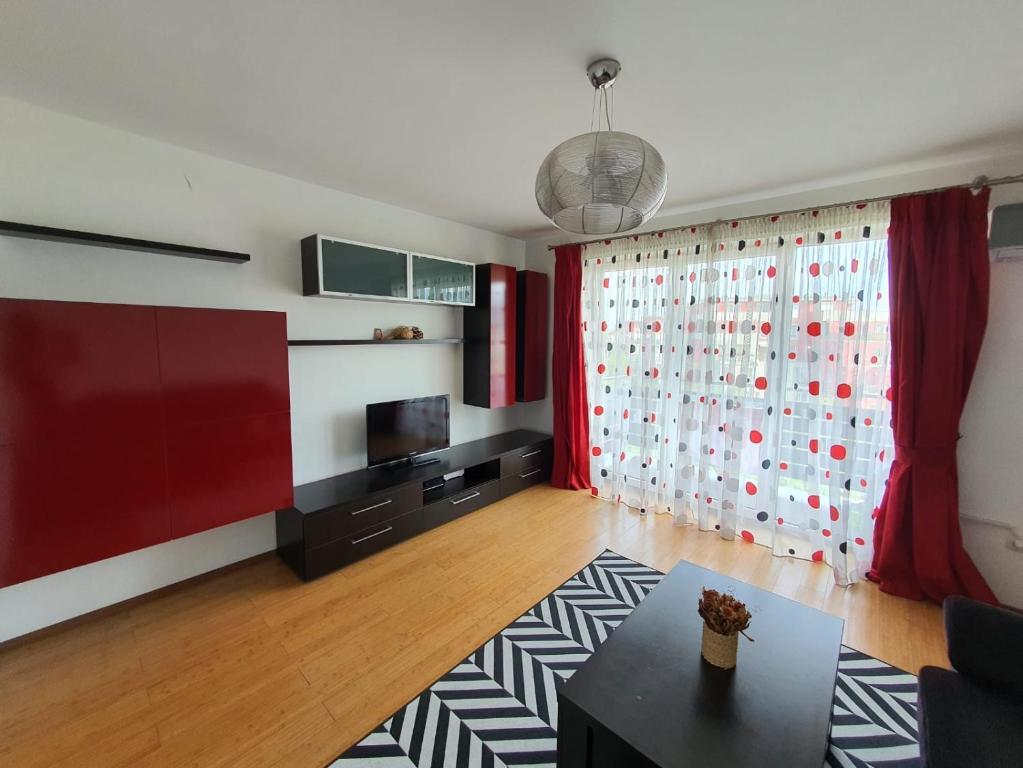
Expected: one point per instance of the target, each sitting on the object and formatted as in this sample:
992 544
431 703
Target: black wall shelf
369 342
52 234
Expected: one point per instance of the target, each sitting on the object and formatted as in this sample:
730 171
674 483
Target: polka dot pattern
738 377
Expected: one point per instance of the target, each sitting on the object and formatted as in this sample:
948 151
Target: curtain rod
977 183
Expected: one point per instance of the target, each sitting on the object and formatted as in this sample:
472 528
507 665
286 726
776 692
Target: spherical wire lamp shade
601 183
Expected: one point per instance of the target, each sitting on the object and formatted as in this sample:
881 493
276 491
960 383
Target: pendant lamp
605 181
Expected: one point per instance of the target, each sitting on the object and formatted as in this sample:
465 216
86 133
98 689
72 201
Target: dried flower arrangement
406 333
724 614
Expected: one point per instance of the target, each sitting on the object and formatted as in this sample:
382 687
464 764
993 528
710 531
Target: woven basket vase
720 650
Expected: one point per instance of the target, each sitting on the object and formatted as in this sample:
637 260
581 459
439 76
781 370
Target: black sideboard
342 519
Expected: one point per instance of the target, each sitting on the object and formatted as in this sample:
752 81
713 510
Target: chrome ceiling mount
603 72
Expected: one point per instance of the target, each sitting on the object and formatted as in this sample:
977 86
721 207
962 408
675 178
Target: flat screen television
402 430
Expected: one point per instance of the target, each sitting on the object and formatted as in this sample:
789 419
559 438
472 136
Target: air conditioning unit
1006 240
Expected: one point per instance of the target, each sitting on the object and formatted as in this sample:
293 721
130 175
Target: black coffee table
647 698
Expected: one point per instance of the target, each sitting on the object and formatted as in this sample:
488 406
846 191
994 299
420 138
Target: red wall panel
124 426
225 385
224 470
82 473
219 363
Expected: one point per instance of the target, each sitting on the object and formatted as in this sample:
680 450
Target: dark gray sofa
974 715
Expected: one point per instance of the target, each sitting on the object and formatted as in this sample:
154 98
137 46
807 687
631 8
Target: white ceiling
449 106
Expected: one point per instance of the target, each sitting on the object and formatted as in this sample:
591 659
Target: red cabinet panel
124 426
488 355
531 337
218 363
225 387
82 473
503 286
225 470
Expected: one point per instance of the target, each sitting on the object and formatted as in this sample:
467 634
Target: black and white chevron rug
499 706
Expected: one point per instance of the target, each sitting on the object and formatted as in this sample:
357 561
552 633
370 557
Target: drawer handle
530 474
372 535
531 453
372 506
466 498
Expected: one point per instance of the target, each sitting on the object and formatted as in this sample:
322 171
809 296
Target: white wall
65 172
991 484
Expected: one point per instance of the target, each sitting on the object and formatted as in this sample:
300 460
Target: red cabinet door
124 426
488 355
225 470
82 462
227 406
531 339
221 363
503 286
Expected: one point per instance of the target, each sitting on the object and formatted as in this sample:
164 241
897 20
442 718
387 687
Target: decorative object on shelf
75 237
417 332
378 334
724 619
604 181
402 332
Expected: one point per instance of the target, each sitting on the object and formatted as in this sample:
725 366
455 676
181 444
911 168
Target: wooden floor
253 668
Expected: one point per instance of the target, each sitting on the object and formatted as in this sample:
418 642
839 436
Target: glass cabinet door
364 270
450 282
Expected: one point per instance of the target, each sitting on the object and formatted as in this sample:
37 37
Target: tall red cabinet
531 337
125 426
488 355
504 359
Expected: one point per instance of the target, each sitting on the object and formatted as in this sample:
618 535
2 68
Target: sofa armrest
985 644
965 725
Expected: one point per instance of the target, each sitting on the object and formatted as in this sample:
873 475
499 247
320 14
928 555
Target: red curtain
939 279
571 411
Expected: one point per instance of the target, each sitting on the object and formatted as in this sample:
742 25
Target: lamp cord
602 102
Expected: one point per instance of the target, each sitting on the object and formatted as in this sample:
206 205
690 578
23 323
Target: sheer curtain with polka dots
738 378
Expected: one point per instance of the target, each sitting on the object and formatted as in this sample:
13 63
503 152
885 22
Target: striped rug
499 706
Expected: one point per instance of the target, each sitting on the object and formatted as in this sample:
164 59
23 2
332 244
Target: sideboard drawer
363 543
336 522
460 504
528 458
522 480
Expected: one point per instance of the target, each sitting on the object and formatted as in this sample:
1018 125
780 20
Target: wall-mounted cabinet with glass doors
346 269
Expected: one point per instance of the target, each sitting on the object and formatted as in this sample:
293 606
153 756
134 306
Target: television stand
343 519
412 461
